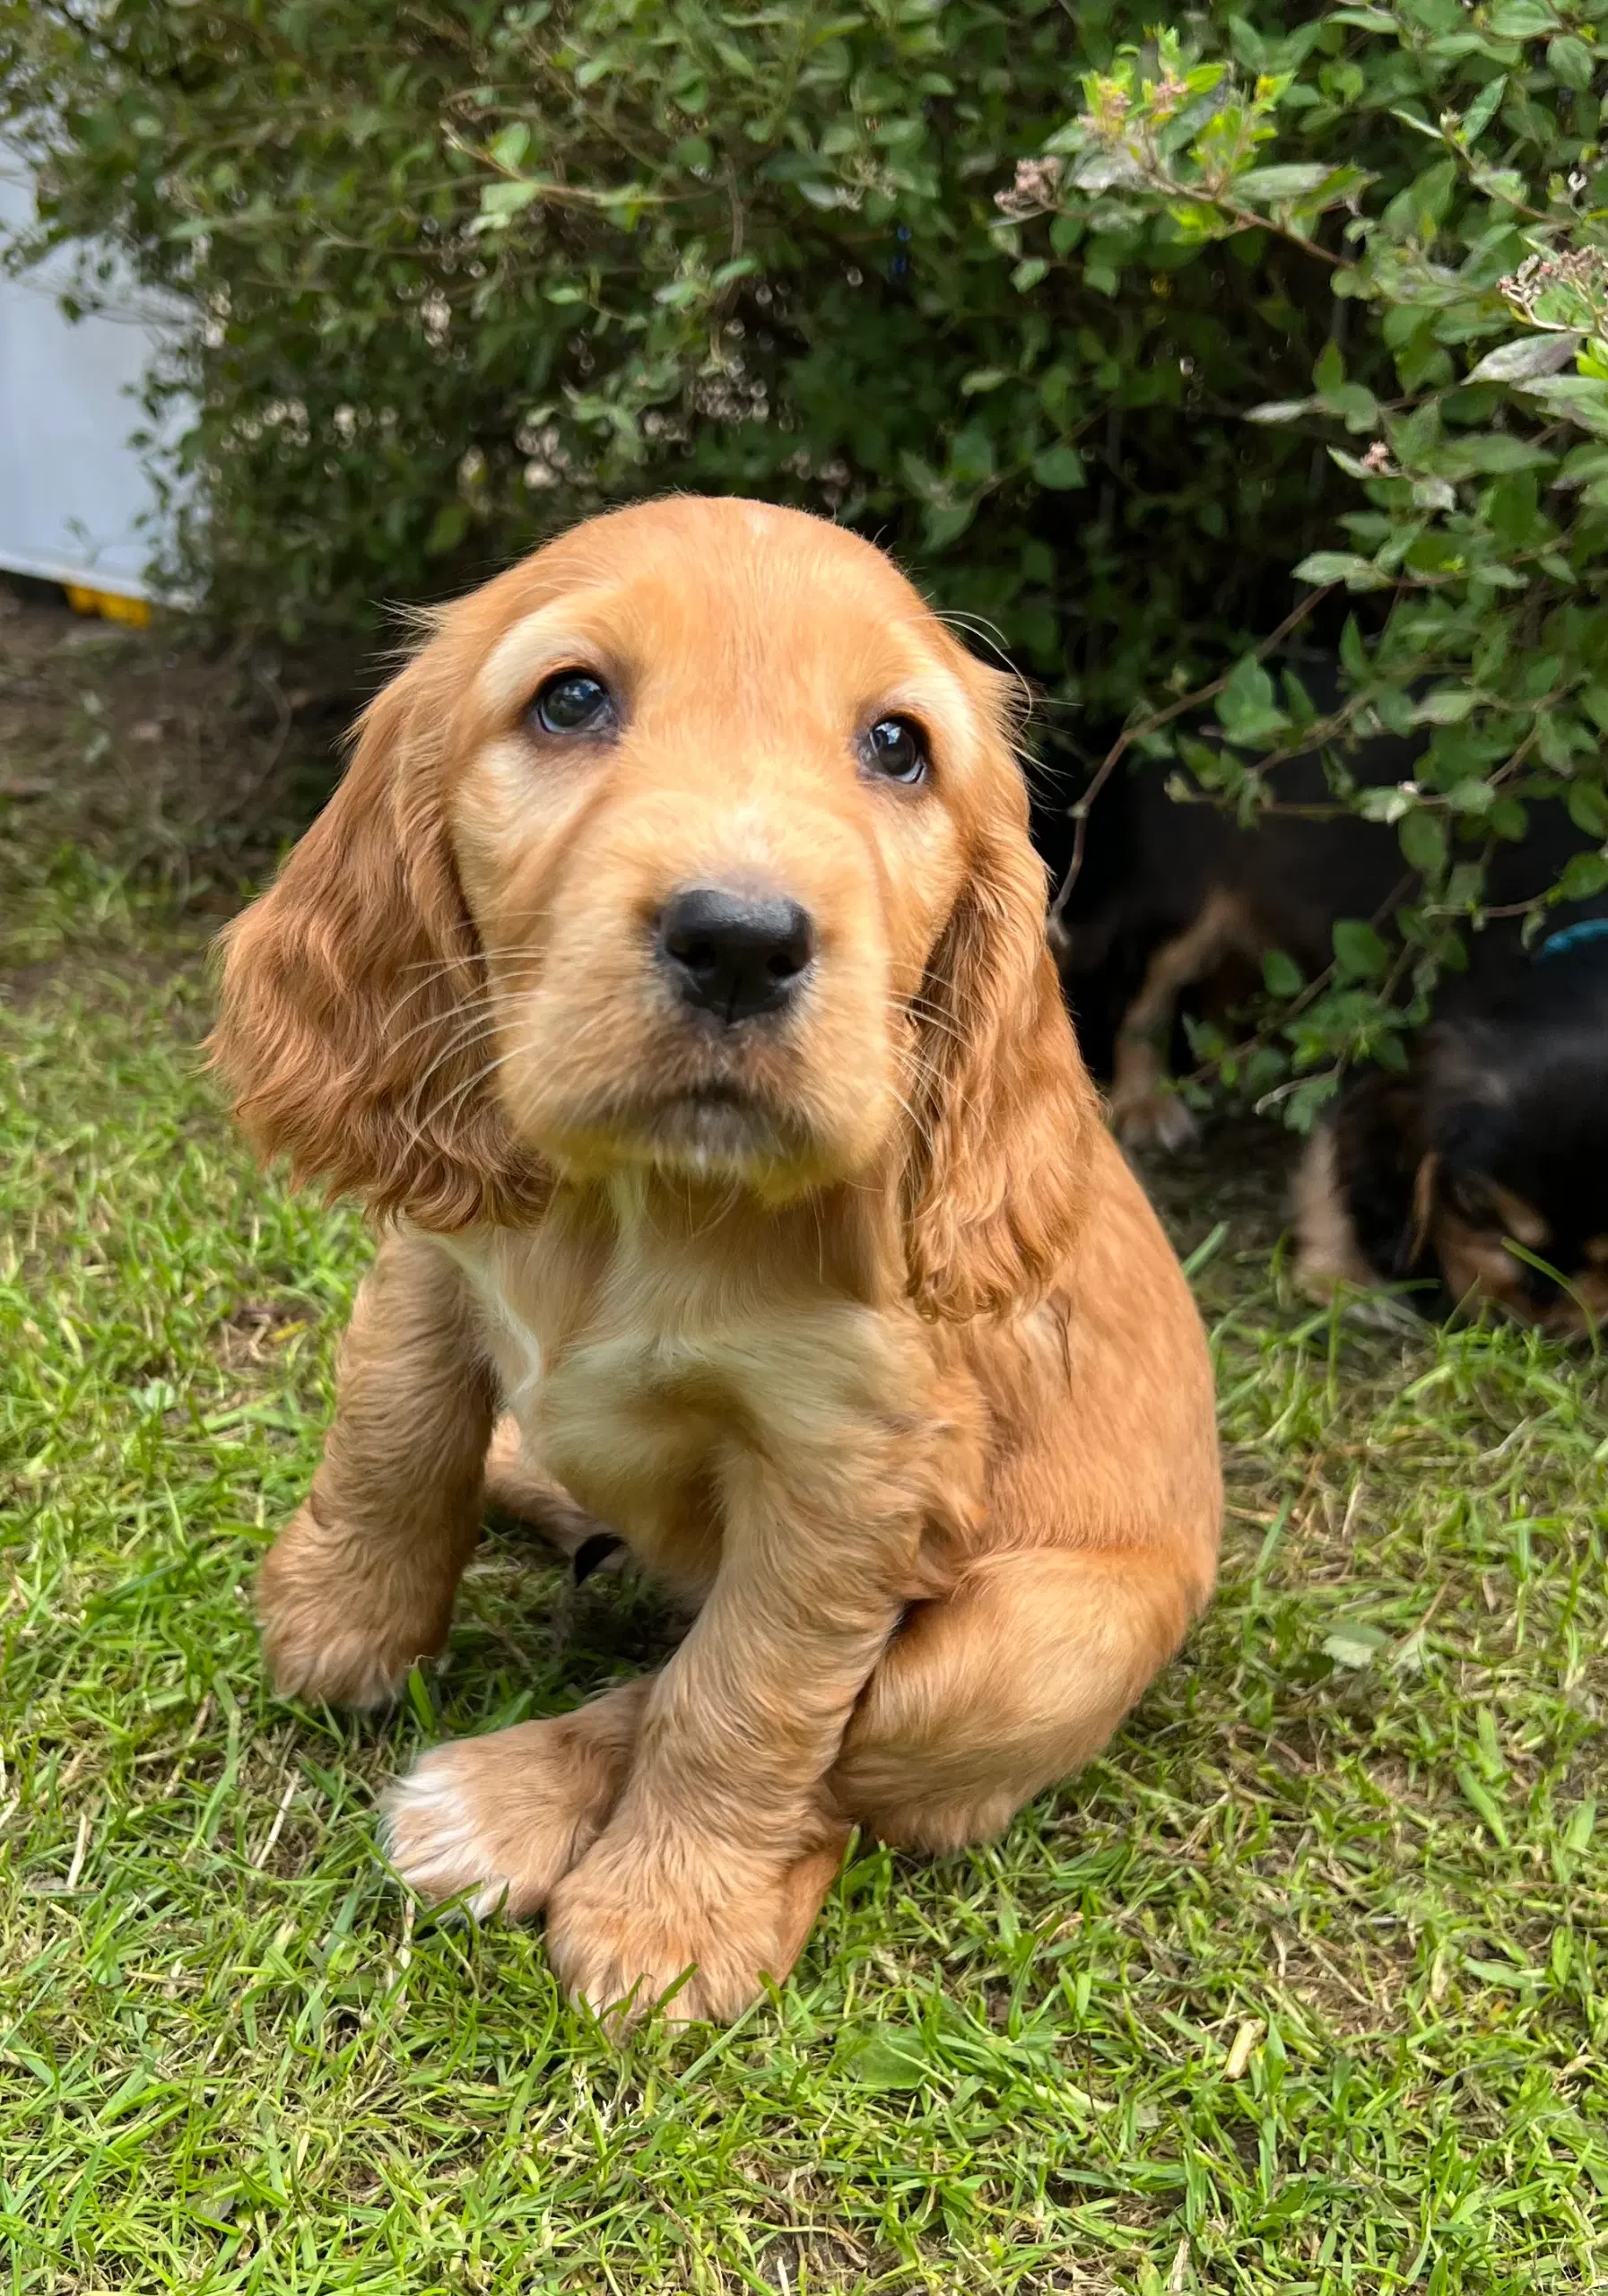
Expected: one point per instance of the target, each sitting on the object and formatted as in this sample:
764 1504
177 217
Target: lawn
1302 1988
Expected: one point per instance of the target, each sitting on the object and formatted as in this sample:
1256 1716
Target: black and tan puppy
1482 1172
1175 906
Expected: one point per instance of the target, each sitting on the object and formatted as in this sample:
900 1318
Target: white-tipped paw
504 1818
432 1838
1158 1120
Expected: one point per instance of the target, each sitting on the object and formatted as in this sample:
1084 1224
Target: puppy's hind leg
1011 1683
1145 1109
517 1484
360 1581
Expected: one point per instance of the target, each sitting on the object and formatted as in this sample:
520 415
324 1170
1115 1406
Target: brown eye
896 750
573 702
1471 1198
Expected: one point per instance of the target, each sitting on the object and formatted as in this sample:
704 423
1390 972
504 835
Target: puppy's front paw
1156 1121
624 1929
338 1634
507 1815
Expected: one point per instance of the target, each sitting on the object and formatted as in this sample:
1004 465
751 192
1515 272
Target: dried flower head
1034 188
1565 289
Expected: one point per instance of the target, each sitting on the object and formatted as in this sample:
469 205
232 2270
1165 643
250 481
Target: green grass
1302 1988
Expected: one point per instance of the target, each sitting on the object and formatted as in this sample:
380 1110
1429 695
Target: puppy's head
1511 1196
693 843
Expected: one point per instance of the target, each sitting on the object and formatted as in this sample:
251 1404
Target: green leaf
971 455
1482 1802
1488 453
1028 273
1521 19
1248 708
1471 795
1571 61
1279 410
509 149
1386 804
1324 566
1263 186
501 201
945 522
1582 399
420 1699
1484 109
450 525
1447 705
1359 952
1355 1645
1422 835
887 2057
1281 974
1355 404
1583 877
1588 808
1524 358
1434 494
1059 468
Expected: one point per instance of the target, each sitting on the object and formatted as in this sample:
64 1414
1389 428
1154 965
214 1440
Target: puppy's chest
639 1384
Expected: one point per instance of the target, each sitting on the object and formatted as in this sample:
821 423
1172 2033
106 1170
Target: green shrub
1130 344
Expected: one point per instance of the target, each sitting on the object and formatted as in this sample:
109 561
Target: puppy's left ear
1004 1111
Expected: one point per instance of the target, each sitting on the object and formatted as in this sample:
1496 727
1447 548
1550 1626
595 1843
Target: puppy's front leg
360 1581
723 1843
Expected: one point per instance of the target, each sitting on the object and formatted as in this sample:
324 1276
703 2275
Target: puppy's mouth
719 1119
715 1128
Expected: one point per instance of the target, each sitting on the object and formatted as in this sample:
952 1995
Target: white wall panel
73 491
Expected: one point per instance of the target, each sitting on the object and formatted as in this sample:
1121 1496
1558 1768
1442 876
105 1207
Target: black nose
736 954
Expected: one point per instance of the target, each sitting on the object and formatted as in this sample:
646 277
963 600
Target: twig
1152 724
78 1848
266 1851
196 1726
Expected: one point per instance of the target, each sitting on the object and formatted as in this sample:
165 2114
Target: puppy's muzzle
735 953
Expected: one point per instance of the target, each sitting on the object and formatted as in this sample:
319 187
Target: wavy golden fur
844 1315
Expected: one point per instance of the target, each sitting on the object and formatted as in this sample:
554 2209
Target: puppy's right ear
352 1025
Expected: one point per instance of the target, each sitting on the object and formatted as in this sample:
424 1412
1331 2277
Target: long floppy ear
994 1190
351 1025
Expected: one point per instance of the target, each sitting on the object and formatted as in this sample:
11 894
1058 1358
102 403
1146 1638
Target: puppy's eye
1471 1198
573 702
896 750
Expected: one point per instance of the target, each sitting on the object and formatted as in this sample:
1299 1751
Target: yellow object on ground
110 605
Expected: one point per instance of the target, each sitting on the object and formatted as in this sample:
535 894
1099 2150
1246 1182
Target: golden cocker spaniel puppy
668 977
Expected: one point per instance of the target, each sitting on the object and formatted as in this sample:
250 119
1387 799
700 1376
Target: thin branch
1079 814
